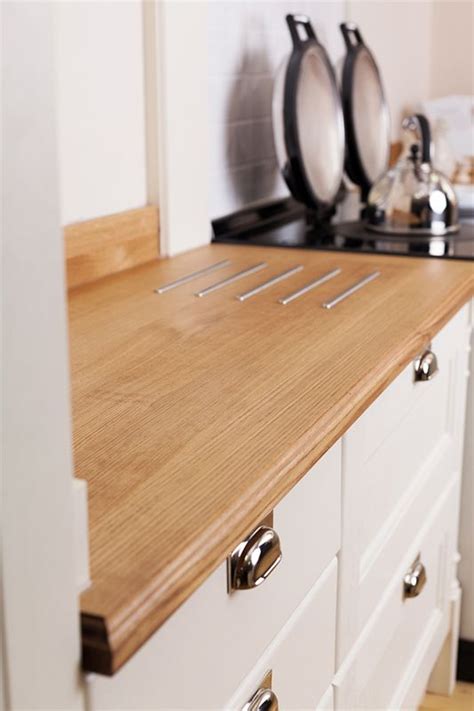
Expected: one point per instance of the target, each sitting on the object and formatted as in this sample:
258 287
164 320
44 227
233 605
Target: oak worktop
194 416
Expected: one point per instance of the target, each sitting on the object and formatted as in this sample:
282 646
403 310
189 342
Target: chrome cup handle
415 579
262 700
426 366
253 560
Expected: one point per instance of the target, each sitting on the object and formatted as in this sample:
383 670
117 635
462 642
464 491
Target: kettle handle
425 132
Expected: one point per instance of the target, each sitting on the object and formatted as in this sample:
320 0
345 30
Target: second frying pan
366 115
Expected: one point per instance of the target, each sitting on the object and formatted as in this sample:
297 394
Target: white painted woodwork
380 667
443 675
466 532
401 529
229 633
302 656
100 108
326 703
81 534
40 612
414 682
182 59
396 458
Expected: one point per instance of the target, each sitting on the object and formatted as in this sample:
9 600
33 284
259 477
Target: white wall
100 107
40 615
452 68
247 41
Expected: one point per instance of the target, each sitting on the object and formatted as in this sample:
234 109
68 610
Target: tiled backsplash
247 42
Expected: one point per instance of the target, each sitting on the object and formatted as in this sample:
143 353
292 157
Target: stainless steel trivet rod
274 280
193 275
312 285
351 290
231 279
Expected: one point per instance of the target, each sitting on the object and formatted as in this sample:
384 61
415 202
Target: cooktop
286 223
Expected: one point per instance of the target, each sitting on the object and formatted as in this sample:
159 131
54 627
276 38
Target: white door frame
41 641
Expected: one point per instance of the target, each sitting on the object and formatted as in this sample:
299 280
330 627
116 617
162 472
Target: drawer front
301 658
387 552
389 410
214 640
388 649
396 459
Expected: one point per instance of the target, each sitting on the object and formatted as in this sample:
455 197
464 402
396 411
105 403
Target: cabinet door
387 663
301 658
396 460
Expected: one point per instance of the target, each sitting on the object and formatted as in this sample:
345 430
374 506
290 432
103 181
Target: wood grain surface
194 417
461 700
106 245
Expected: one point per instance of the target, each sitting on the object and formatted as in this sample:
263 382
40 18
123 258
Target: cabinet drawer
386 553
301 658
393 406
214 640
387 648
396 459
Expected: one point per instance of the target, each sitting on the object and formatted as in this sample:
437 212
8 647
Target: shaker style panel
396 460
378 563
203 652
392 406
411 611
301 658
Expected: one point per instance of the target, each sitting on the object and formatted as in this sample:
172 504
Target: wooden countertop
194 417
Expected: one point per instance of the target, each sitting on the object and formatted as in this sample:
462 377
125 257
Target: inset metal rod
193 275
270 282
312 285
351 290
231 279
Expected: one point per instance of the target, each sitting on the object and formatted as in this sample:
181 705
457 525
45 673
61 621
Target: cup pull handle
262 700
414 580
253 560
426 366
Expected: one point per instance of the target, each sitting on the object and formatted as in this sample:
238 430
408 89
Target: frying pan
366 115
308 124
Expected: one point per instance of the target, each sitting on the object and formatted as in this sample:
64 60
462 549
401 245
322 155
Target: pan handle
303 21
351 34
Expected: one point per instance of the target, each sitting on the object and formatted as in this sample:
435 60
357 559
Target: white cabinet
216 639
378 673
332 623
302 656
396 460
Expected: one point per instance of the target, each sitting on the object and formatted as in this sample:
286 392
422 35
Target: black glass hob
286 223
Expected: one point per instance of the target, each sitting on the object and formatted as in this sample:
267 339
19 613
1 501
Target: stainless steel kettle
412 197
